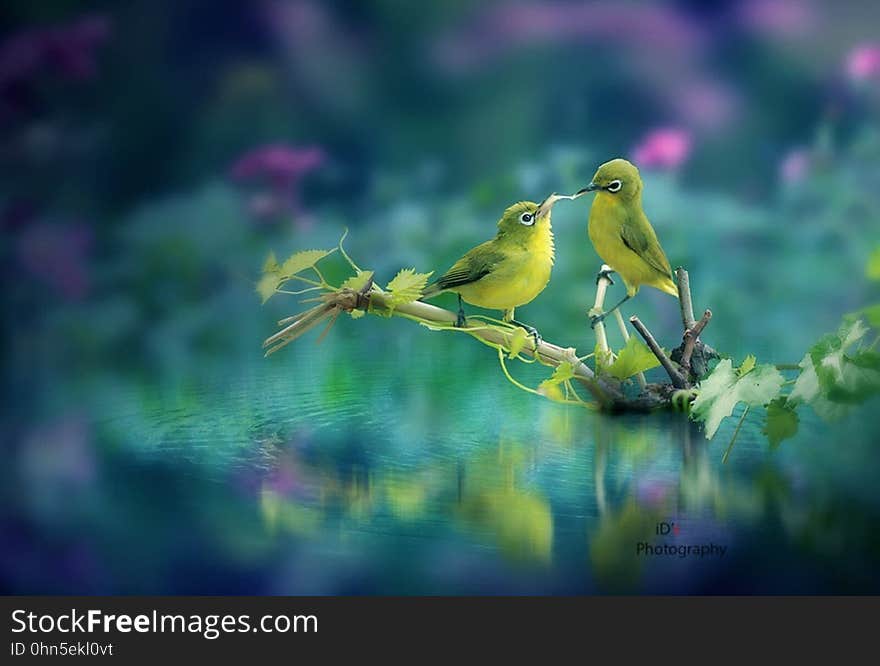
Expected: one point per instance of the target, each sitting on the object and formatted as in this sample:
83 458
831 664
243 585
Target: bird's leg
461 320
531 330
595 319
605 273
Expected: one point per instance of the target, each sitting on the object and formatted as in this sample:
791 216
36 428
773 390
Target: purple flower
663 148
863 62
784 18
57 256
795 166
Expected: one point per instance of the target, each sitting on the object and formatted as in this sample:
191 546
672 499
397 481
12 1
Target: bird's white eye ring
527 219
614 186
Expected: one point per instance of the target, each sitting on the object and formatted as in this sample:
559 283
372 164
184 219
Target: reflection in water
359 484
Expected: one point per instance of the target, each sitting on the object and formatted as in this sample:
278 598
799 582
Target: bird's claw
596 319
532 331
605 274
460 320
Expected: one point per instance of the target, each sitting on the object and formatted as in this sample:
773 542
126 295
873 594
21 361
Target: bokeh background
153 153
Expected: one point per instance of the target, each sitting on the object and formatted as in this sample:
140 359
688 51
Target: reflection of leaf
358 282
520 521
517 341
406 286
782 422
635 357
300 261
267 285
721 391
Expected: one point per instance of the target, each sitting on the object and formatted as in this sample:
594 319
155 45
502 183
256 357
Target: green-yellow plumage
620 230
511 269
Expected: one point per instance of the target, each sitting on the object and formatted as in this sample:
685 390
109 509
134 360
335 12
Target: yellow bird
621 233
508 271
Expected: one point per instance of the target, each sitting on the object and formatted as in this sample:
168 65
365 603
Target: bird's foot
532 331
605 273
461 320
596 317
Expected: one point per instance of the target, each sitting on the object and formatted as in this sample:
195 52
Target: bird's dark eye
614 186
527 219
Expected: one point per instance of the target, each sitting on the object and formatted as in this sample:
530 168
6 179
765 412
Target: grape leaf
747 365
517 341
844 374
806 390
721 391
782 421
407 286
267 285
635 357
300 261
550 387
271 264
359 281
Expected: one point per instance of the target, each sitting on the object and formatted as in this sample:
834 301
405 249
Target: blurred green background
153 153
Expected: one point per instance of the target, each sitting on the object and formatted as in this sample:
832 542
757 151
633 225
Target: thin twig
677 380
684 298
691 335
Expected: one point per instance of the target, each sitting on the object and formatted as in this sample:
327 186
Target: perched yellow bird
621 233
508 271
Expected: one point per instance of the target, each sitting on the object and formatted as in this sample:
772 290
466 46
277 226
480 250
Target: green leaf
807 390
517 341
271 264
406 287
300 261
550 386
359 281
872 270
635 357
845 374
747 366
722 390
267 285
782 421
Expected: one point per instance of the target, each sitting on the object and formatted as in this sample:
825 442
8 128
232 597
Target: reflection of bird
508 271
621 233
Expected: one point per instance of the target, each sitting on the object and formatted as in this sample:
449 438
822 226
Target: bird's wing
639 236
476 264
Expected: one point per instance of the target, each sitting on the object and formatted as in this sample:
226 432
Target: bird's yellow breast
605 231
519 277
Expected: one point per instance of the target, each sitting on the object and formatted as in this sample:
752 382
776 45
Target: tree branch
684 298
691 335
677 380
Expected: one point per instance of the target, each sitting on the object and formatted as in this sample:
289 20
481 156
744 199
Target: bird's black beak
589 188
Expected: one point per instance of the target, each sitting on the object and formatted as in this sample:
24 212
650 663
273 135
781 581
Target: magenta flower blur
664 148
863 62
57 256
782 18
795 166
277 169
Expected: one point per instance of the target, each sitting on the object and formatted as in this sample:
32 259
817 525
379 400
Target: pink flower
663 148
794 166
863 62
281 167
278 163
